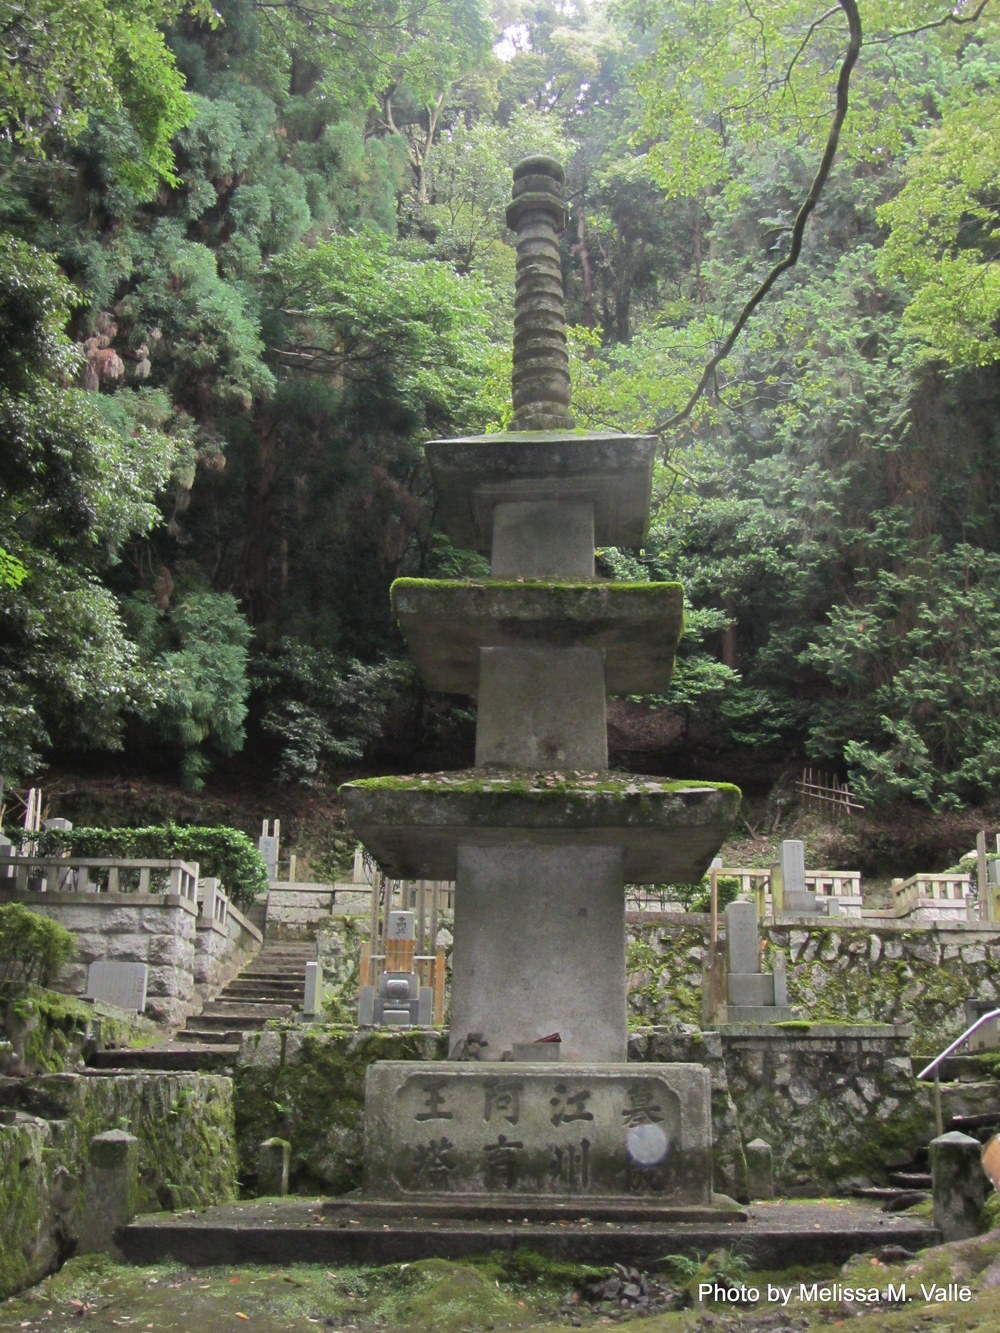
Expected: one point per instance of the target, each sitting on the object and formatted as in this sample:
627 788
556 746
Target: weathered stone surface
611 472
540 379
543 539
541 708
560 969
760 1172
593 1133
272 1166
635 625
669 831
959 1185
112 1189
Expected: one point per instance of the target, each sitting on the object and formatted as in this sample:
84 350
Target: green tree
75 487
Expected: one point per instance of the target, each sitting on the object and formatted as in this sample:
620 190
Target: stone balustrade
99 874
185 930
946 897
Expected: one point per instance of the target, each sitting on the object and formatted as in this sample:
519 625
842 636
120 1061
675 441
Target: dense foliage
254 257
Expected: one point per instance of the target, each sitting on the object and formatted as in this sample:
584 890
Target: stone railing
842 885
946 897
188 934
92 874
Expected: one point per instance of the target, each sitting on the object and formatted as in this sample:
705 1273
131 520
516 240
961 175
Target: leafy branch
854 43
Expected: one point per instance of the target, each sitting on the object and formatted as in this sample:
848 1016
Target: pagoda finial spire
541 362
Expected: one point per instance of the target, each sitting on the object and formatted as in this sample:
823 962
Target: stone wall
295 911
222 949
185 1127
307 1085
839 971
187 955
839 1105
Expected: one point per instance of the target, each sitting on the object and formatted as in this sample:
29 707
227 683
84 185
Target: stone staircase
272 986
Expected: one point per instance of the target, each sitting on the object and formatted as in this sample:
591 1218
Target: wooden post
373 929
421 932
985 896
714 908
439 967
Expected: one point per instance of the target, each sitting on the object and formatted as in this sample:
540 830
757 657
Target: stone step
263 1008
910 1180
181 1054
273 973
261 996
272 985
243 1022
290 1231
213 1036
958 1069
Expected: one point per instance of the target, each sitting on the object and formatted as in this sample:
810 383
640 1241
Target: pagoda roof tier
668 830
446 623
475 473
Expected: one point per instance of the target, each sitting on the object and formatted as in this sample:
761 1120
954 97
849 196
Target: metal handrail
936 1062
959 1041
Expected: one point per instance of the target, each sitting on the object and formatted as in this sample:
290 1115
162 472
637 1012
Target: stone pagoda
536 1102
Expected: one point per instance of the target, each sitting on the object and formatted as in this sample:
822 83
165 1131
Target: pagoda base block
588 1140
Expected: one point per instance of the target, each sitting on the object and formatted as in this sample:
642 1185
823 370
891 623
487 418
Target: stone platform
290 1231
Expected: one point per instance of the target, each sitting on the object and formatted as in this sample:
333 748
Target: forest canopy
253 257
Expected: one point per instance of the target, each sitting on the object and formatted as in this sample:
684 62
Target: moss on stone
544 784
308 1086
615 589
51 1032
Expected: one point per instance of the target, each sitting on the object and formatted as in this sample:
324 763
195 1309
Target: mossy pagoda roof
668 830
636 625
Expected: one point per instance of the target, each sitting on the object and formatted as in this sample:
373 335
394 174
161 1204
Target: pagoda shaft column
540 950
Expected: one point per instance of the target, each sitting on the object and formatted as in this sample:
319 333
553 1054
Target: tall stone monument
540 837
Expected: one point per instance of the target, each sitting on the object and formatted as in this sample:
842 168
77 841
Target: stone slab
742 938
446 624
413 826
560 970
543 539
613 472
286 1231
123 984
542 708
750 988
538 1132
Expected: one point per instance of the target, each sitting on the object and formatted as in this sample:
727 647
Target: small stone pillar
760 1169
312 1005
111 1192
959 1185
272 1166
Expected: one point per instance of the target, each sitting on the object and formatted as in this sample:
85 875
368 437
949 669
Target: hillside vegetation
253 256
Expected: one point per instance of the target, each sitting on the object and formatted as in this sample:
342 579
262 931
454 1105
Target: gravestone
752 996
123 984
540 837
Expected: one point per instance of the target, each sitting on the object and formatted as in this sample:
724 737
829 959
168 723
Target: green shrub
226 853
32 948
698 897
